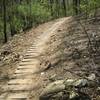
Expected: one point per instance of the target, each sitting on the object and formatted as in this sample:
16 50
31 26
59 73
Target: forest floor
66 55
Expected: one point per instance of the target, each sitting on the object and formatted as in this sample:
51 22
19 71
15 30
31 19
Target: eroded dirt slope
69 55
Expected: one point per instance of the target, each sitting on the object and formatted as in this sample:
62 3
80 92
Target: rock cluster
7 56
64 90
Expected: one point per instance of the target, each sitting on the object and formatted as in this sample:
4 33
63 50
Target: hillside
66 54
70 56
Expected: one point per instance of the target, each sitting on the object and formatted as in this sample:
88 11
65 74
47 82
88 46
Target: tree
76 6
51 7
5 21
64 6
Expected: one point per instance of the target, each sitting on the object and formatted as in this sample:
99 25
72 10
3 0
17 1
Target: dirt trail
24 79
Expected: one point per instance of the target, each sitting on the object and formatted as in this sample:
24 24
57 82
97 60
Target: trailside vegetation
19 15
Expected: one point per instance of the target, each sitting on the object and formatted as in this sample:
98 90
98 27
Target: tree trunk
64 5
76 6
5 22
51 7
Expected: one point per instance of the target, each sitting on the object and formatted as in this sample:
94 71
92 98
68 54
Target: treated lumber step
20 81
19 87
18 96
25 71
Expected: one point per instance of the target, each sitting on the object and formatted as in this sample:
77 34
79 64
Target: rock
6 51
98 89
55 62
91 77
76 54
73 95
52 88
60 96
15 57
69 82
98 97
53 78
76 83
7 59
46 65
80 83
42 73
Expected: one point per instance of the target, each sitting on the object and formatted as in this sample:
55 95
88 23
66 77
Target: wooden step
20 81
33 47
22 76
17 96
29 60
25 71
31 53
31 57
19 87
32 50
26 67
28 63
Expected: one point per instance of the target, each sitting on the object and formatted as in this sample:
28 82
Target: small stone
76 54
5 52
42 73
80 83
73 95
92 77
98 97
69 82
98 89
58 95
52 78
84 56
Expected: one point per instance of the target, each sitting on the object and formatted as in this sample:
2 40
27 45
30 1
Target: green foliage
40 13
22 14
17 23
90 7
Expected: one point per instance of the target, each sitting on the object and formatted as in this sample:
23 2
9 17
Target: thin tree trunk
64 5
51 7
5 22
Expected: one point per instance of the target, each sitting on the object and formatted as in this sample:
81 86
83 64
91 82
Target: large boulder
69 82
52 88
80 83
64 90
76 82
